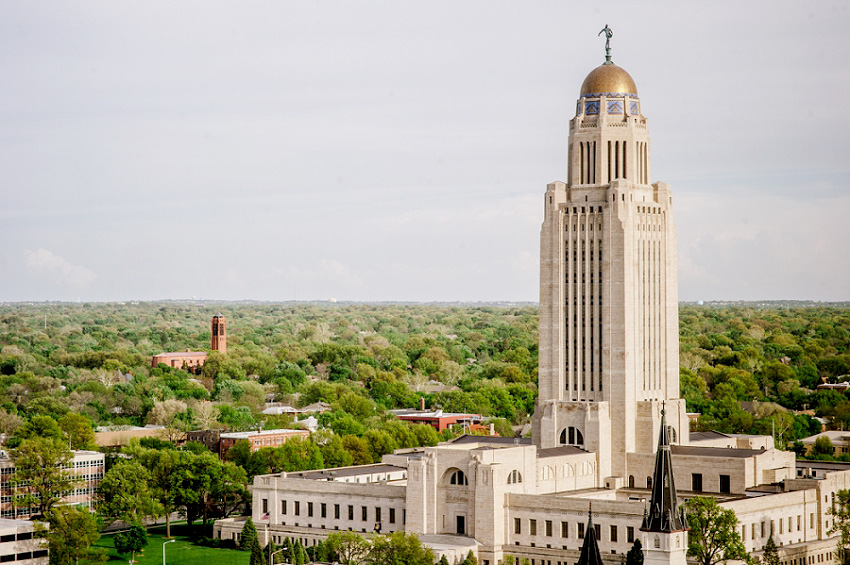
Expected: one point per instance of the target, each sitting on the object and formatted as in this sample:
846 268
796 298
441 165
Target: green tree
635 554
470 559
399 548
714 536
168 478
125 494
78 429
349 548
71 535
134 539
39 461
770 556
39 426
822 447
249 535
443 560
840 511
258 556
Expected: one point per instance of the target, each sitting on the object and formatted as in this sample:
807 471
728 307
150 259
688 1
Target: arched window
671 433
547 473
649 482
657 542
631 481
571 436
514 477
458 477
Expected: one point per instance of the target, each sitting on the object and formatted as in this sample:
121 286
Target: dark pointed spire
664 513
590 549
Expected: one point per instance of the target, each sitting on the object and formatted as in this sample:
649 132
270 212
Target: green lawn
180 552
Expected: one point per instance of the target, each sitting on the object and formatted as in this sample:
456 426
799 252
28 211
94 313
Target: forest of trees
67 368
362 359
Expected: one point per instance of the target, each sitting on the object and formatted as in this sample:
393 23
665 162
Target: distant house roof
317 407
429 414
255 433
835 436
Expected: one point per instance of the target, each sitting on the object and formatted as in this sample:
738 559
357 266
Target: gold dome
608 78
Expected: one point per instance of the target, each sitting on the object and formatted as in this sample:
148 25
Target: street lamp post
271 555
163 549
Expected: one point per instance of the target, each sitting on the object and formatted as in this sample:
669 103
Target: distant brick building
210 438
259 439
218 334
437 418
188 360
193 361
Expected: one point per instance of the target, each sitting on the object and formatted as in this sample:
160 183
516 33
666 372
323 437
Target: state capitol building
609 429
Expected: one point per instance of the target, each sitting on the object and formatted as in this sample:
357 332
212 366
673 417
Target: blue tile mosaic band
615 106
591 108
634 108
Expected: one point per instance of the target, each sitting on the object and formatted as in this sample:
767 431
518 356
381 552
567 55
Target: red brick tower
218 339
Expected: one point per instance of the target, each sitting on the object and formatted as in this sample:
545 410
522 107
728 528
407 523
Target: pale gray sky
400 150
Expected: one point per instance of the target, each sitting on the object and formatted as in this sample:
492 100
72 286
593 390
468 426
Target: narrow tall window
616 159
581 156
625 175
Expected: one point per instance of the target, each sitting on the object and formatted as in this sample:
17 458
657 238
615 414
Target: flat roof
180 353
714 451
432 414
825 465
559 451
347 471
10 523
253 433
466 438
702 436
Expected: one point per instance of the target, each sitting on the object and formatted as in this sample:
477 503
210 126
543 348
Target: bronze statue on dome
608 35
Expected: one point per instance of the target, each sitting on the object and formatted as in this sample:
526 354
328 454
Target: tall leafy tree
714 536
78 430
168 478
71 535
39 462
125 494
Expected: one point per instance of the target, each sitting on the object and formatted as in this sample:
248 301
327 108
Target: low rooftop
327 474
254 433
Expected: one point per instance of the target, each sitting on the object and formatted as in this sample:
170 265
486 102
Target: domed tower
608 288
218 335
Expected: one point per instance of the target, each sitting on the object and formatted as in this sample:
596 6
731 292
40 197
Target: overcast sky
400 150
